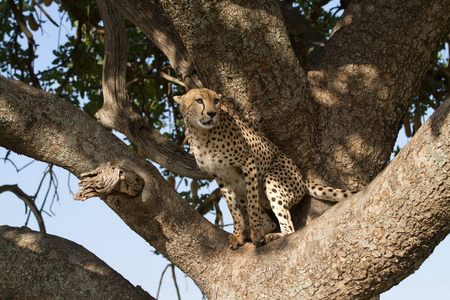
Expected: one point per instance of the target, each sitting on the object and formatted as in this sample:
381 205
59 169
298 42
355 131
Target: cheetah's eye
199 101
216 101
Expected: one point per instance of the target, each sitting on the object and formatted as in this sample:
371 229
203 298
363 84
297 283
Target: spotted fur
251 171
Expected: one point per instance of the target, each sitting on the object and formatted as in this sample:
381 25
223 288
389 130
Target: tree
336 112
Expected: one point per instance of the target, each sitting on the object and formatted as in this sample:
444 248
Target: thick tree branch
28 200
153 22
371 66
68 135
117 112
39 266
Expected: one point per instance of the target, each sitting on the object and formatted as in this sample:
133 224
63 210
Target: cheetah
252 173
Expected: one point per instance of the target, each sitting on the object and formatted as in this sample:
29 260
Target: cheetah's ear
177 99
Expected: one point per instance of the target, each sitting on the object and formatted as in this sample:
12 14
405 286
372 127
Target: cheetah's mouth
207 123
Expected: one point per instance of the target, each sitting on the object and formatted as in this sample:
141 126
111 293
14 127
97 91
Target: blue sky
93 225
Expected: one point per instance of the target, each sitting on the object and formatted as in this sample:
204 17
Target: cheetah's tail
327 193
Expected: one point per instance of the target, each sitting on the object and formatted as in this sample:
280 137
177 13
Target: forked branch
155 24
117 112
109 180
385 232
28 200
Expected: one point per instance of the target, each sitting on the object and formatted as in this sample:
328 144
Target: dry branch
28 200
153 21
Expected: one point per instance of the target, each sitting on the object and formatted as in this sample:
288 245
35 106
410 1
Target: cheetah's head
200 108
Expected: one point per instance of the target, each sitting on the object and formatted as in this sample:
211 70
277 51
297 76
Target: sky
96 227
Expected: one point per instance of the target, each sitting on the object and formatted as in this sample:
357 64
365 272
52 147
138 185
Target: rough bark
40 266
364 80
356 250
153 22
241 49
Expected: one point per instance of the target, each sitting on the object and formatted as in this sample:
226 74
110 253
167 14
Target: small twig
5 159
26 165
160 280
45 13
68 184
54 182
41 183
28 200
172 79
206 205
219 216
19 18
175 281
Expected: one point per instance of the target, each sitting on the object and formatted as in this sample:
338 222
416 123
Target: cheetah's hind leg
281 196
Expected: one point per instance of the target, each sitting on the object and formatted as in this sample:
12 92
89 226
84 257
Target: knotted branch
109 180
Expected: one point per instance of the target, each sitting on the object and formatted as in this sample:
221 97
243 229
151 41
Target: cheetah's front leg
239 230
254 209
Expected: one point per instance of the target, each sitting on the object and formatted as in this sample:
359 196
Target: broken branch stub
109 180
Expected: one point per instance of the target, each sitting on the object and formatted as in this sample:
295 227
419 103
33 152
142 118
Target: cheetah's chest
214 154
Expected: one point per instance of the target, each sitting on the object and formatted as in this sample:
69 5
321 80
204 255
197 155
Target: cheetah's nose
212 114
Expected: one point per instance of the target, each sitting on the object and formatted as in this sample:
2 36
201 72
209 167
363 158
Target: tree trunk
362 81
365 78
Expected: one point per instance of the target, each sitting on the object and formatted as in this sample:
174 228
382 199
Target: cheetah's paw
235 240
272 236
257 237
